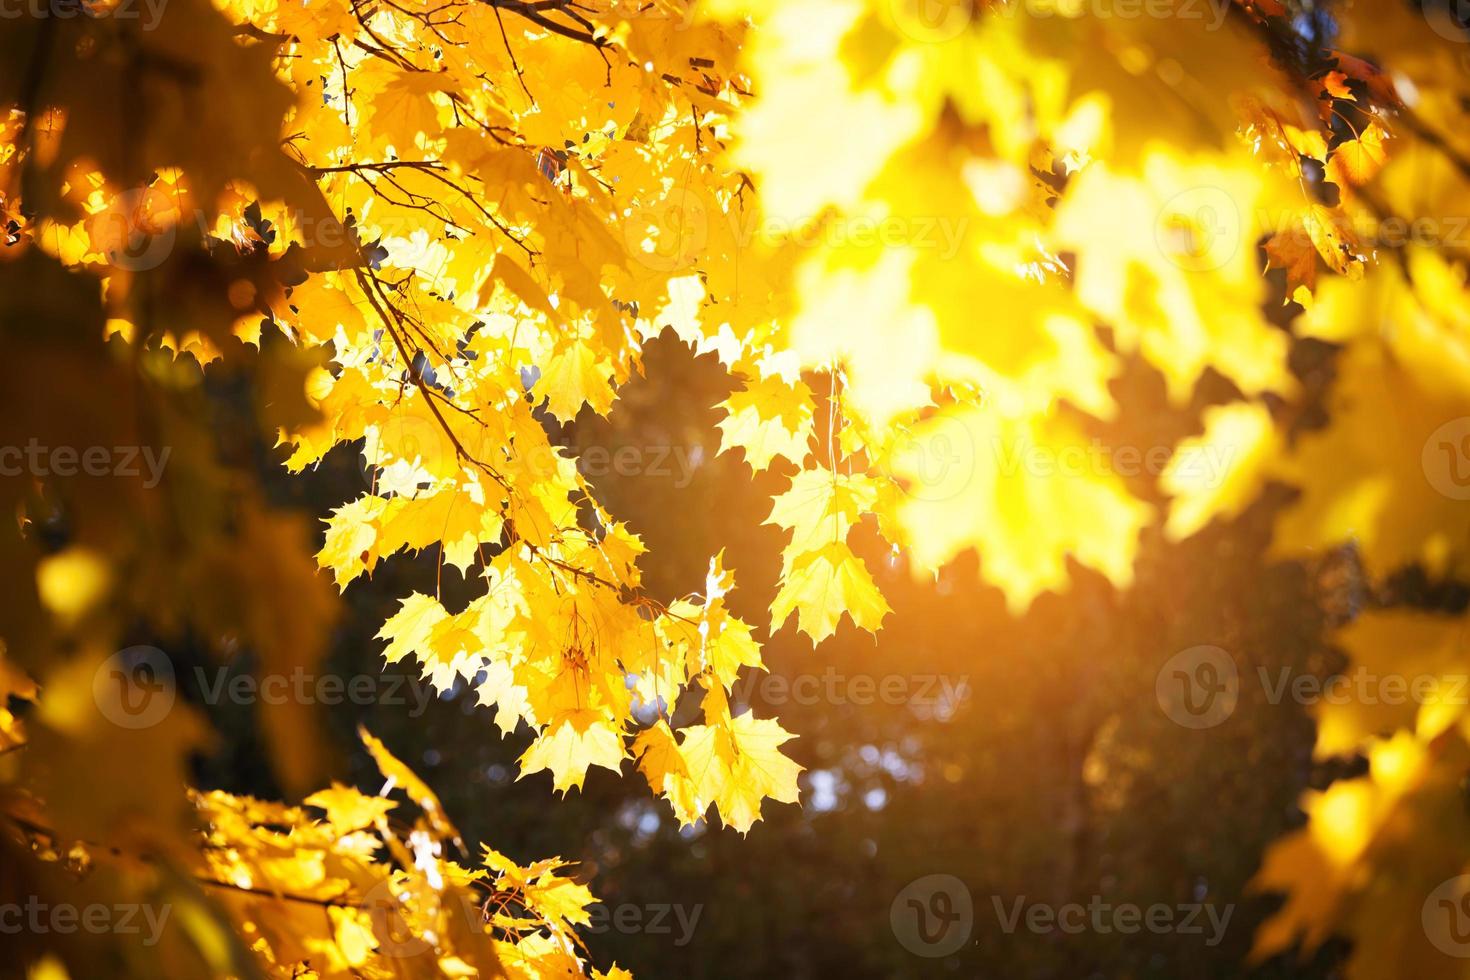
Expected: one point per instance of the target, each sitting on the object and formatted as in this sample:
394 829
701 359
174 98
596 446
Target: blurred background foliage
1053 776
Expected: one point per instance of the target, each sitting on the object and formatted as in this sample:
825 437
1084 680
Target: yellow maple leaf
572 744
1220 472
767 418
822 585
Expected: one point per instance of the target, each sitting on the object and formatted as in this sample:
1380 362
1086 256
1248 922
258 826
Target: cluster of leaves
514 178
338 888
467 217
1127 173
170 203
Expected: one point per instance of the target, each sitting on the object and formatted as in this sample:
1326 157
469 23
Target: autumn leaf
936 261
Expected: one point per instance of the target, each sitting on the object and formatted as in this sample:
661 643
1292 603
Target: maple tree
923 245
